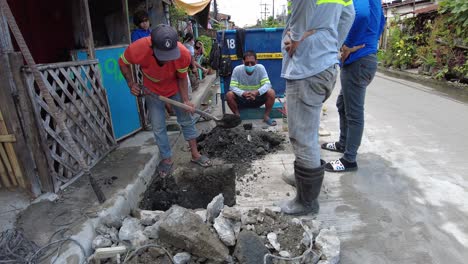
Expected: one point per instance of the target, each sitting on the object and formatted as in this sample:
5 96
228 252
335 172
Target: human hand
205 70
291 46
192 106
346 51
134 88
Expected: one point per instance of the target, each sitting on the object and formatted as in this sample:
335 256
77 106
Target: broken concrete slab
185 230
250 248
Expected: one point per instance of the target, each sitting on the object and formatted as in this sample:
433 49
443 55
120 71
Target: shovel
228 120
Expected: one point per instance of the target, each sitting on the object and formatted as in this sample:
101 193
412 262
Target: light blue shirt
331 20
242 82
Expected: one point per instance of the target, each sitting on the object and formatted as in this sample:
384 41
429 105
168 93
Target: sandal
333 146
340 165
164 169
270 122
203 161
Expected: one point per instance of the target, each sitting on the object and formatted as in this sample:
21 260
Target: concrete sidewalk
123 176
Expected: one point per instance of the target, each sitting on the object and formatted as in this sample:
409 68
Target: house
54 132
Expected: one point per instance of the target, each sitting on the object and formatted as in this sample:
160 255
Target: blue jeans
355 78
158 122
304 101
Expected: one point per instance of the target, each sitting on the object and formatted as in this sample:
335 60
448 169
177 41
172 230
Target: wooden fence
78 91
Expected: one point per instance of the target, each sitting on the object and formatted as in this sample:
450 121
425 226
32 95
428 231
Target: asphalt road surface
408 202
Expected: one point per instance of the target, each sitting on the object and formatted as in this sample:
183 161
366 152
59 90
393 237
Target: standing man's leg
355 79
187 123
339 146
359 76
305 99
157 114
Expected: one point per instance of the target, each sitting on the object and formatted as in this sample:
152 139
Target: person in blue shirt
359 65
141 21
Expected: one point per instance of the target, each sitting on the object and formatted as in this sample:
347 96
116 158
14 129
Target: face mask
249 69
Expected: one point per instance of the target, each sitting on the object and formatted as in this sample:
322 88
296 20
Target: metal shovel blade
228 121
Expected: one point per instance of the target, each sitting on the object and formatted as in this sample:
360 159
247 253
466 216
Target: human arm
127 73
264 80
125 61
234 84
197 65
296 25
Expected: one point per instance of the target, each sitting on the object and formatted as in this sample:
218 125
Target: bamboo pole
7 165
10 151
4 176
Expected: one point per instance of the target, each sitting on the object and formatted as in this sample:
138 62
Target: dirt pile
238 145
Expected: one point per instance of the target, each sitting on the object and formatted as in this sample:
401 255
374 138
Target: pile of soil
238 145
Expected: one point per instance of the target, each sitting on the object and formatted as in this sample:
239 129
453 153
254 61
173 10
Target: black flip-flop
339 166
333 146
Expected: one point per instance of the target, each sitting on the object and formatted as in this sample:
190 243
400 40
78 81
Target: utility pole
265 12
273 12
215 10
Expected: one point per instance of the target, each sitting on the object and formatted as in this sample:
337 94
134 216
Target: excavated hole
194 188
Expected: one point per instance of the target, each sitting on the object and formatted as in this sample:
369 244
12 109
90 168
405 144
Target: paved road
408 202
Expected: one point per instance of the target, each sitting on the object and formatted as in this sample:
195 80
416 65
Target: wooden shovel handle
186 107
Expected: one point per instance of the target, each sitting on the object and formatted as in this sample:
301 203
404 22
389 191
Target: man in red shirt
164 62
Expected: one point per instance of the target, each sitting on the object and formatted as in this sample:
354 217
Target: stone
152 231
139 239
202 214
184 229
273 239
269 212
225 230
232 213
328 243
156 252
250 249
284 254
130 227
312 257
214 208
112 221
101 242
182 258
148 218
248 220
314 225
107 232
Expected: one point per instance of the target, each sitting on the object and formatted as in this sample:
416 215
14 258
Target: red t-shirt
161 80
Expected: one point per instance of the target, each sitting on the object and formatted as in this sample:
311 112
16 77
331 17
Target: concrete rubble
220 234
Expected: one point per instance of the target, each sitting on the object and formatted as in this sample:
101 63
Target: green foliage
458 10
176 15
206 40
272 23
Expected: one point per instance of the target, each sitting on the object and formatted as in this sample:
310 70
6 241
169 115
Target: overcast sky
246 12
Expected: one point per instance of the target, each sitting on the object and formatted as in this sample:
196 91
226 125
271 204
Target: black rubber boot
308 185
289 178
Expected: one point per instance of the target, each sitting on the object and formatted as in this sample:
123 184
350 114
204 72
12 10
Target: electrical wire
265 257
14 247
129 257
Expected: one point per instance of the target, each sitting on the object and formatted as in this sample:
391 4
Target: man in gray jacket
314 33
